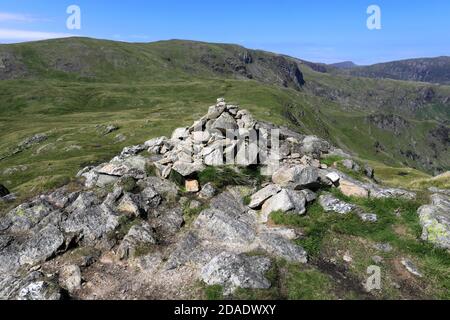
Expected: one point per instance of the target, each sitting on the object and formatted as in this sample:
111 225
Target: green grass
213 292
329 161
322 230
308 285
314 225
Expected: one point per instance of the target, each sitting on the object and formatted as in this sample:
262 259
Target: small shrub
177 178
150 170
221 177
329 161
247 199
214 292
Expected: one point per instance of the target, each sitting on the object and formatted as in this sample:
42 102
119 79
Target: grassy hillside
71 89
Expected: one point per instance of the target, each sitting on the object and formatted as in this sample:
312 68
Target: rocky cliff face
168 213
434 70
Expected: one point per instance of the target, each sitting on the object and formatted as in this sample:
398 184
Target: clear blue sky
323 31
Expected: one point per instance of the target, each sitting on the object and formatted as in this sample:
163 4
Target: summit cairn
224 136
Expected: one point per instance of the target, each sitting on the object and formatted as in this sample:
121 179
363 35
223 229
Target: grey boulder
234 271
297 177
330 203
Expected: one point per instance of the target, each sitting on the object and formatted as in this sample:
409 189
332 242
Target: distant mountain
115 61
344 65
433 70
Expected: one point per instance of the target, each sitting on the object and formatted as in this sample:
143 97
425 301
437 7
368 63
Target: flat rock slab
234 271
331 204
222 227
262 195
282 247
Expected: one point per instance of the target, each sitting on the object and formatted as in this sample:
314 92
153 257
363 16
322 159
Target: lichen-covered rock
32 286
380 193
88 218
333 177
180 134
139 235
215 111
154 145
282 247
435 220
314 146
330 203
169 220
309 195
41 245
411 267
234 271
190 249
150 199
132 150
163 187
368 217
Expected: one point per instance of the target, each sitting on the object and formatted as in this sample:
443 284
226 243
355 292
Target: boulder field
148 221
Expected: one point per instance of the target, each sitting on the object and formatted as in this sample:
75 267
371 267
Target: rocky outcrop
130 210
32 286
435 220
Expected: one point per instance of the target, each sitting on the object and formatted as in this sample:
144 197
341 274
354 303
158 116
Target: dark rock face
256 65
389 122
10 66
289 70
440 134
3 191
434 70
